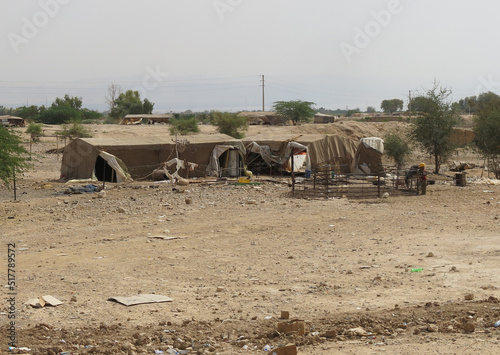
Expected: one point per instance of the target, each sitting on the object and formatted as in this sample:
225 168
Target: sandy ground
240 255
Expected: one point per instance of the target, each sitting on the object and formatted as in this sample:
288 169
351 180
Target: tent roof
147 115
167 140
271 137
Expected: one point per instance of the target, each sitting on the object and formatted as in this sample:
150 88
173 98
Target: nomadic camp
115 160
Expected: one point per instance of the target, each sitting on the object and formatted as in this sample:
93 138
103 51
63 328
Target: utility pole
263 106
409 102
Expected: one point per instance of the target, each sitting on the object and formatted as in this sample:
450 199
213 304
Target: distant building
322 118
152 118
10 121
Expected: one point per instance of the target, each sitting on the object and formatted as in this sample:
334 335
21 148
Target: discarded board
43 301
298 326
140 299
289 349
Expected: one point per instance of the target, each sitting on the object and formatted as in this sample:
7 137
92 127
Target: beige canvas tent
83 158
322 149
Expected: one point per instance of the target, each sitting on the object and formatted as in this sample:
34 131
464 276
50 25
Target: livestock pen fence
331 182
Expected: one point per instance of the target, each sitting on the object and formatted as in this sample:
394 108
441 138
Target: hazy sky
210 54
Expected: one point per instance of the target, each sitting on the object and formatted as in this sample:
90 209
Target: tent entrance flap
103 171
230 163
109 168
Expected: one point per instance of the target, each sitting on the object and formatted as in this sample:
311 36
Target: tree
13 159
487 102
370 109
114 90
468 104
73 102
130 103
397 147
433 129
29 113
420 104
230 123
391 106
184 124
59 115
487 129
296 111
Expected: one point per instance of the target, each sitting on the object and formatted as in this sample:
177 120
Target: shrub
230 123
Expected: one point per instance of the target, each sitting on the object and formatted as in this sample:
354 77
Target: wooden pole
104 175
15 189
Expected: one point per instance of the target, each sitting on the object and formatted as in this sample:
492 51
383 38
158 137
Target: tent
9 121
322 149
140 156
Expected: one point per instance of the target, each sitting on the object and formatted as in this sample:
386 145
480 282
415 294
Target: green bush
35 129
230 123
397 148
184 125
74 130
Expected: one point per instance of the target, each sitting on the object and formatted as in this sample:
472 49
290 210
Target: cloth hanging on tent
117 165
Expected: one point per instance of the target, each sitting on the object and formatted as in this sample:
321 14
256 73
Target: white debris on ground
482 180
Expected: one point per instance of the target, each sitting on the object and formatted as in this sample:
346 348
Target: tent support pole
293 176
104 175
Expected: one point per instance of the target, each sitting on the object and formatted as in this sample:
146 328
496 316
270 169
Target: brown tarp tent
82 160
322 149
368 160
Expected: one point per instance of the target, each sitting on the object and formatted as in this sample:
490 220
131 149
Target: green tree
296 111
130 103
419 104
468 104
397 147
433 129
391 106
370 109
13 156
230 123
74 102
59 115
487 102
184 124
29 113
487 136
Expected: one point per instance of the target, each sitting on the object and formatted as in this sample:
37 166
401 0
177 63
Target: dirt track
246 253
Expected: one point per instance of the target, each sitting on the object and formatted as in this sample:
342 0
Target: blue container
307 174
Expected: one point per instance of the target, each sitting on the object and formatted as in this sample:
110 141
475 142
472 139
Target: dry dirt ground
243 255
